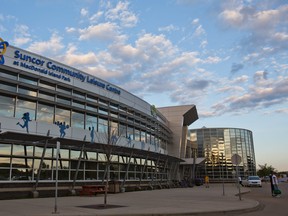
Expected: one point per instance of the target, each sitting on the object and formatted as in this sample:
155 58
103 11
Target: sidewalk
176 201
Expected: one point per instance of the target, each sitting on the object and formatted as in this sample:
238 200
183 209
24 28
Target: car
253 181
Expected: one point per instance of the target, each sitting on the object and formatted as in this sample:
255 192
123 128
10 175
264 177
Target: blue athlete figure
92 133
26 119
129 140
62 127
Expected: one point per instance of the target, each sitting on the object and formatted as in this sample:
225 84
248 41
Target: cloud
264 27
103 31
52 46
121 13
259 96
72 57
96 17
22 35
236 67
84 12
168 28
260 76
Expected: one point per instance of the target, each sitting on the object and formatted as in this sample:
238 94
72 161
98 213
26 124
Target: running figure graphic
26 119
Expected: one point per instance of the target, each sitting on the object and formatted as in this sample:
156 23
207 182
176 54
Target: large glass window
122 130
103 125
5 149
137 135
7 106
114 128
45 113
91 121
27 108
62 115
77 119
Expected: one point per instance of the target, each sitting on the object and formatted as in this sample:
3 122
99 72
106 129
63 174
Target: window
103 102
114 128
25 106
7 106
103 111
46 96
47 85
8 87
62 115
91 121
79 94
64 90
45 113
27 79
8 74
91 108
103 125
77 119
63 100
27 91
5 149
78 104
114 106
92 98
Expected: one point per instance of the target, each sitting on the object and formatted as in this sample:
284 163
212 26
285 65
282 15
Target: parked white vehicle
252 181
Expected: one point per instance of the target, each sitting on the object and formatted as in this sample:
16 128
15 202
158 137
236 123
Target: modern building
225 152
61 124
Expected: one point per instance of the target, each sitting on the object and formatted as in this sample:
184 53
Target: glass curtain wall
218 145
21 163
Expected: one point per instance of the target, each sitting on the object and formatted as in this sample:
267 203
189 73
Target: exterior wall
151 133
175 118
56 95
218 145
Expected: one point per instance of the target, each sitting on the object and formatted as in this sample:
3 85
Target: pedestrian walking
240 181
206 179
274 185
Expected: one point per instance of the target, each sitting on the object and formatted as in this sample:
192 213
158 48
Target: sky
227 57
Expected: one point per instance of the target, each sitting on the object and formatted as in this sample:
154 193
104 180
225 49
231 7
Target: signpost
236 160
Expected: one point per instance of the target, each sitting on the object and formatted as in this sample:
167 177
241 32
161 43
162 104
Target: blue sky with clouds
228 57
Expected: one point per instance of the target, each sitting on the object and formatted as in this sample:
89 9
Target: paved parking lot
176 201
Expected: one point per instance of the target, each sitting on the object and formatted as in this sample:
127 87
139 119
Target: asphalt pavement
197 200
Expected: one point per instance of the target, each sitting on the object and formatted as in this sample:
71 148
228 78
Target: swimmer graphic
91 129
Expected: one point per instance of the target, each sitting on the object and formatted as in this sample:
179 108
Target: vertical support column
35 193
77 169
128 165
144 167
56 179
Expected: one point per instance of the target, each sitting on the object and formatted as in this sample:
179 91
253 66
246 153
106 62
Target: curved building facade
216 146
103 131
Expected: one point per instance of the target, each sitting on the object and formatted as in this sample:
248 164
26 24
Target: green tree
265 170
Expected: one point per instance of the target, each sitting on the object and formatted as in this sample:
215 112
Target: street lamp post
56 178
222 171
